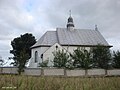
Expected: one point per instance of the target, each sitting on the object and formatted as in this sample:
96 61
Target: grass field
16 82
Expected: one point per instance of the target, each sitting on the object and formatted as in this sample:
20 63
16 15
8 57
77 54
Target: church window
36 56
41 56
56 47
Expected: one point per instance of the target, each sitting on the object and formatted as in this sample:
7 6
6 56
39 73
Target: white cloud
15 16
37 16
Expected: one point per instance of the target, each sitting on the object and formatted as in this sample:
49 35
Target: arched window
36 56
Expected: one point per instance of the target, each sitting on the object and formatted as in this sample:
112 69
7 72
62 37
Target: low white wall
96 72
113 72
9 70
53 71
32 71
58 72
75 72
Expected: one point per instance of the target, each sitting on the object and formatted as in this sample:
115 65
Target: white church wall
40 51
72 48
48 52
33 64
48 55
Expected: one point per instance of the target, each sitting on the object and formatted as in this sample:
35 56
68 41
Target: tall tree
101 57
22 59
1 61
60 58
21 49
82 58
116 59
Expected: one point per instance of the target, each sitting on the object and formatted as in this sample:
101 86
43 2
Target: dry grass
58 83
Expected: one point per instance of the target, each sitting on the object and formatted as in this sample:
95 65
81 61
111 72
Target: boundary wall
61 72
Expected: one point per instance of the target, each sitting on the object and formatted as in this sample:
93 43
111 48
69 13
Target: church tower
70 24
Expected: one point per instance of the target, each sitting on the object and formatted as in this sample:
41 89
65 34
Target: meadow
20 82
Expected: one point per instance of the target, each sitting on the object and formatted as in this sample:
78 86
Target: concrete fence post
65 74
42 71
106 72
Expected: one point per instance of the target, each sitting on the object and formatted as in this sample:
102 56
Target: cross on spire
70 12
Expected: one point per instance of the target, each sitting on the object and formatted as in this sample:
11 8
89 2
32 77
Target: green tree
21 50
101 57
22 59
60 58
116 59
82 58
1 61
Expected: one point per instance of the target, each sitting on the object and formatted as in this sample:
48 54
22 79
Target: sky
18 17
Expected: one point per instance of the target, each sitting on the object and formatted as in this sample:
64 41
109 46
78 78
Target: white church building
68 38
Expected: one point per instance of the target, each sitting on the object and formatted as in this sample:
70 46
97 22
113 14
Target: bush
60 59
101 57
82 58
116 59
44 64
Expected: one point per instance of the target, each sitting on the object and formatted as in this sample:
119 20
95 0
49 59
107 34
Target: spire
70 13
70 24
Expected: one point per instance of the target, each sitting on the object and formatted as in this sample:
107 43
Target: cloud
37 16
5 48
87 13
15 16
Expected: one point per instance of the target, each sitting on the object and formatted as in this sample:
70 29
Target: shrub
101 57
82 58
60 58
116 59
44 64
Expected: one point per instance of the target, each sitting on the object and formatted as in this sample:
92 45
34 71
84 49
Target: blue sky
37 16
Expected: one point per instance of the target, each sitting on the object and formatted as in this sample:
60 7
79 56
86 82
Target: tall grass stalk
58 83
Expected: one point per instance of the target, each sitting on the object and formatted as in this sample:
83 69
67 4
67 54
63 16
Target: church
68 38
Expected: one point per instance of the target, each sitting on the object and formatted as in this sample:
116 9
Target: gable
48 54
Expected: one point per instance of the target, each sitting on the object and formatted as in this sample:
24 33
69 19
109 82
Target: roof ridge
77 28
50 31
